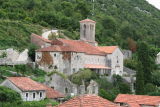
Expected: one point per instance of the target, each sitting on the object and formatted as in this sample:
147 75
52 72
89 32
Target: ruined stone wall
62 85
66 87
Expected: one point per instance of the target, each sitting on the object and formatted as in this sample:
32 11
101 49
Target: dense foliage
119 22
22 70
8 95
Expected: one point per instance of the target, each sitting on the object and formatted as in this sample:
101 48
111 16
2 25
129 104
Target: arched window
84 32
66 90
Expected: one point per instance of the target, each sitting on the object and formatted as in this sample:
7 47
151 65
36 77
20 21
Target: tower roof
87 20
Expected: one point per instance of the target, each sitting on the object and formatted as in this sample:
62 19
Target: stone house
126 100
69 56
30 90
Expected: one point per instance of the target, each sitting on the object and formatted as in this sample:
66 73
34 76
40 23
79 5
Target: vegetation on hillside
118 21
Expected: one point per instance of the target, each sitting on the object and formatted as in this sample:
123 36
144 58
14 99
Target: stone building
66 87
31 90
69 56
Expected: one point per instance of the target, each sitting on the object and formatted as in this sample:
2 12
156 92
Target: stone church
69 56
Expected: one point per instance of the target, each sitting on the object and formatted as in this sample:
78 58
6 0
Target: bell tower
87 31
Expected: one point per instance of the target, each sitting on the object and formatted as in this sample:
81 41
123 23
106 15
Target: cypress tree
140 80
145 58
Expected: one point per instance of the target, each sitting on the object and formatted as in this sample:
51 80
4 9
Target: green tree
150 88
32 53
82 76
140 80
146 59
8 95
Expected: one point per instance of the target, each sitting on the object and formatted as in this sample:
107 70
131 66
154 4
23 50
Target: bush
31 53
8 95
42 103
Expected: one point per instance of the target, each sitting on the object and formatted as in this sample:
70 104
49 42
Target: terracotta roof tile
26 84
51 93
107 49
87 20
73 46
88 101
139 99
96 66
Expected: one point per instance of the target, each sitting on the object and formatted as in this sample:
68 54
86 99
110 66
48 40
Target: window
74 70
34 95
54 55
50 67
40 94
52 87
38 57
55 67
26 95
66 90
84 32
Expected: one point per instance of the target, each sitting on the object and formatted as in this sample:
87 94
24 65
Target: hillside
117 20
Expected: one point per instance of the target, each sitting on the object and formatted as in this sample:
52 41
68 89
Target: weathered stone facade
65 86
13 57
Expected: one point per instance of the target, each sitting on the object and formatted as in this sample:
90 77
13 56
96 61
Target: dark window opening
55 55
34 95
52 87
66 90
74 70
26 94
40 94
50 67
55 67
84 33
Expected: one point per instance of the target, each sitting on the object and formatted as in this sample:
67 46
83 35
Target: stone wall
13 57
66 87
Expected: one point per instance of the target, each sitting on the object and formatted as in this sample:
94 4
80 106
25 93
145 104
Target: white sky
156 3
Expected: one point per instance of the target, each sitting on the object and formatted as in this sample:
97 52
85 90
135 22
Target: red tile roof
26 84
107 49
87 20
96 66
40 37
73 46
88 101
139 99
51 93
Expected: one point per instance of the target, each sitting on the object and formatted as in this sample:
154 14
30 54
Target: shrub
8 95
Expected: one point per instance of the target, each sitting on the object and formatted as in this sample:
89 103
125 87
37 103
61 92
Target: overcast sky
156 3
